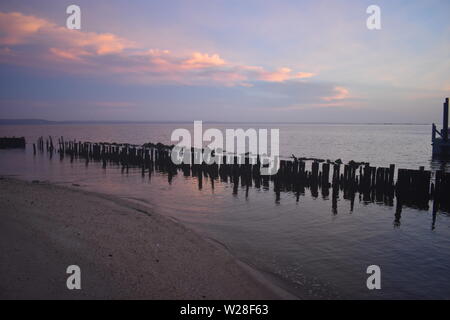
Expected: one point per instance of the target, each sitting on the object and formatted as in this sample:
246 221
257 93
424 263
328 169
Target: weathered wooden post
336 174
315 171
445 121
301 170
325 174
391 174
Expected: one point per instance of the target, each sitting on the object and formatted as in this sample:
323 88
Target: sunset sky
227 60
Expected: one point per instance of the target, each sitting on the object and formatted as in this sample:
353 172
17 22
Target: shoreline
125 251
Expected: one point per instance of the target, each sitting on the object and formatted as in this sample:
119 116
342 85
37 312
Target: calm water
304 244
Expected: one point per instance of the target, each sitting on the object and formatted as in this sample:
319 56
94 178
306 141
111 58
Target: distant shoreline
112 122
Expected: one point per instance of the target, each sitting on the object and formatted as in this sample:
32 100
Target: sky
225 60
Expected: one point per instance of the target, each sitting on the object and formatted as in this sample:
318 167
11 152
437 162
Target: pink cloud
104 54
16 27
64 54
22 29
280 75
203 60
304 75
341 93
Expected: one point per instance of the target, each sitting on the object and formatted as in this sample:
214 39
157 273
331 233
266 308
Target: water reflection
437 164
284 228
243 180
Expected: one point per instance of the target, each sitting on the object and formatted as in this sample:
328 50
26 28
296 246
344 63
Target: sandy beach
124 251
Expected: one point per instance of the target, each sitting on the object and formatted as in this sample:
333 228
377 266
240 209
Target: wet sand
124 250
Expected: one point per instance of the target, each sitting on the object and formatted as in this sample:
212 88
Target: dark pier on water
413 188
440 139
12 143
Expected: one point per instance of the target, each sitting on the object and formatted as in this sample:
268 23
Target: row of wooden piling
414 187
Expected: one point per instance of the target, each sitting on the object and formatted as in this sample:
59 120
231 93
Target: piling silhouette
413 188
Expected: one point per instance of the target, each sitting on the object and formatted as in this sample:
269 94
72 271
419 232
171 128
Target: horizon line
32 121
